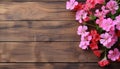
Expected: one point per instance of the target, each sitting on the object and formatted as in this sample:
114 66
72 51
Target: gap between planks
56 66
39 31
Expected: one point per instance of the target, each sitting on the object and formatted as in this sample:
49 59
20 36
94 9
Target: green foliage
92 17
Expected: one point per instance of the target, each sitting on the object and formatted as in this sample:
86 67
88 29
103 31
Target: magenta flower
117 20
108 25
101 14
84 44
114 38
112 6
85 41
99 21
70 5
106 39
81 15
114 54
82 30
99 1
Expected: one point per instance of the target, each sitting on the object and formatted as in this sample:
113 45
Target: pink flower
82 30
108 24
85 41
99 21
84 44
70 5
117 20
104 10
107 40
114 38
81 15
99 1
112 6
86 37
101 14
114 54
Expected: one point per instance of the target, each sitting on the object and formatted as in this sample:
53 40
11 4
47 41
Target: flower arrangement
103 20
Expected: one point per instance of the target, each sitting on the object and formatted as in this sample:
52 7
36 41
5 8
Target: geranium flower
79 7
99 1
81 15
91 3
94 46
104 62
70 5
101 14
117 21
95 36
108 24
82 30
106 39
99 21
106 31
112 6
85 41
97 53
84 44
114 54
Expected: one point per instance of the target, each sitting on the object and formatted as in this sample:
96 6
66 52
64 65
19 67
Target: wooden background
41 34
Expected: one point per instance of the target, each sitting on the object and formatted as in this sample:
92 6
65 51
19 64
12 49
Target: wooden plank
41 11
38 31
44 52
55 66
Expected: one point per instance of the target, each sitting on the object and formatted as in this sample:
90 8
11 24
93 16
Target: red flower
90 4
95 36
93 46
79 7
103 62
97 53
86 19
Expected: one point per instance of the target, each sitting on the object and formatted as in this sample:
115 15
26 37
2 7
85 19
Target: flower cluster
103 20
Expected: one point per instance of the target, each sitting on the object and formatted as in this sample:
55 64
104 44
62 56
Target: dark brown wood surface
41 34
44 52
35 11
38 31
55 66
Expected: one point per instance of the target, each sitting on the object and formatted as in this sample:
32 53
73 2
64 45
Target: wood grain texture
41 34
55 66
38 31
35 11
44 52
